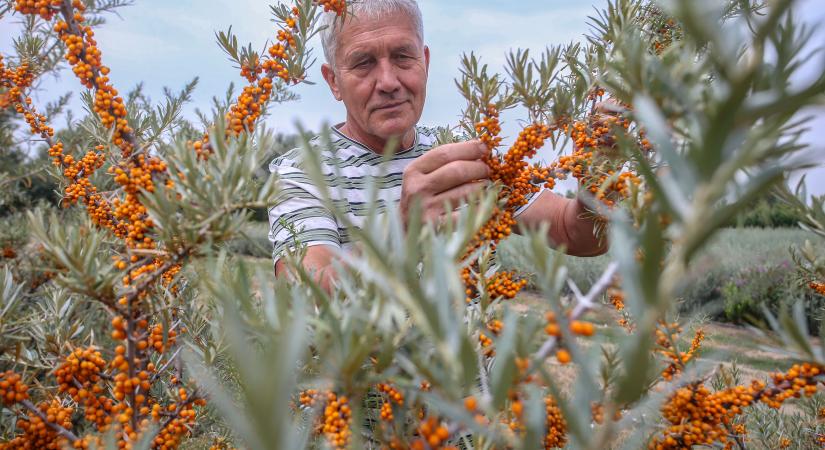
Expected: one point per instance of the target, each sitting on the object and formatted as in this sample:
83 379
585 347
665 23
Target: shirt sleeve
298 216
531 197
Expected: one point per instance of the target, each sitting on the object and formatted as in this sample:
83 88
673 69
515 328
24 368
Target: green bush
755 287
768 212
740 271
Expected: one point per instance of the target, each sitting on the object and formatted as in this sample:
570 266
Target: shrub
416 346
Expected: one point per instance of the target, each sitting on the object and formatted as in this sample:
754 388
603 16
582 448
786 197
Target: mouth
389 106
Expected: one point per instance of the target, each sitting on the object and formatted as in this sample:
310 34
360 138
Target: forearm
318 263
571 225
578 230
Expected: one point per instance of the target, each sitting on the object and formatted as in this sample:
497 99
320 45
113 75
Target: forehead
371 33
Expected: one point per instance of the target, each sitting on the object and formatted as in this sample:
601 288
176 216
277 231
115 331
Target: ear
329 76
427 58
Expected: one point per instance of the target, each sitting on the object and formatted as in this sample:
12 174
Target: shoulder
327 146
427 136
292 158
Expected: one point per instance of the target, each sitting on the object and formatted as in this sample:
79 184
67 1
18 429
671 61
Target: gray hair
372 9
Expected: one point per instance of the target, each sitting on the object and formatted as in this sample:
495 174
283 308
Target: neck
374 143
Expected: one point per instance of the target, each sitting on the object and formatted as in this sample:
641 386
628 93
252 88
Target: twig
144 284
166 364
180 405
583 304
20 177
736 437
57 428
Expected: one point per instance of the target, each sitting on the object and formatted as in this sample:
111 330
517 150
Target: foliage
417 345
768 212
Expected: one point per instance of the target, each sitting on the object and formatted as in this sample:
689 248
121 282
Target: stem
143 285
180 405
166 365
131 349
736 437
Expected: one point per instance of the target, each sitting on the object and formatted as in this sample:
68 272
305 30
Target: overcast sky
167 43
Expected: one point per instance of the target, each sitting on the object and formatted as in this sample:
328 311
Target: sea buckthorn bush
139 329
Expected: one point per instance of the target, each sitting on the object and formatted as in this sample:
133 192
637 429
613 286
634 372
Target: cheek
416 83
356 91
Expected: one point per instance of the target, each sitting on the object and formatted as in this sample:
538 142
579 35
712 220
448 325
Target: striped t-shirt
349 168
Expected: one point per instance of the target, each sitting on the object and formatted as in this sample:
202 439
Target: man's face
381 75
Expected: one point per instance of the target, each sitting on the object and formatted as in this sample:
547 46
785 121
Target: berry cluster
555 425
592 160
84 56
663 31
433 435
251 103
336 421
495 327
817 287
519 180
43 8
40 431
616 297
339 7
392 395
577 327
12 388
698 416
597 410
666 335
80 376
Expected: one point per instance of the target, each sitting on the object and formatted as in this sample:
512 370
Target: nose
387 81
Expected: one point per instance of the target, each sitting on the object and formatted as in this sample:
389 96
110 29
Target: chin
395 129
395 126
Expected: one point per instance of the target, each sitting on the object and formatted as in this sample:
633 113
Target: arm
571 225
317 261
298 217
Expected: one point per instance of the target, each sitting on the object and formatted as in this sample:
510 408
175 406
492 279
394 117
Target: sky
167 43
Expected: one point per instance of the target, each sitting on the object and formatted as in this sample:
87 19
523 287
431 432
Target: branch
57 428
180 405
67 11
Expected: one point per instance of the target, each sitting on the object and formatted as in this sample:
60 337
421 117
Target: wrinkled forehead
364 32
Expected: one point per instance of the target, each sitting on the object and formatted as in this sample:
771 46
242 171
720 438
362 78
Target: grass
739 256
729 251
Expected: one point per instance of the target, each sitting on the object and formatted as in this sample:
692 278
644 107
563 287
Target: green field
741 269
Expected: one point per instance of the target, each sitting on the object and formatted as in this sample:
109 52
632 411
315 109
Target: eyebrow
406 48
357 55
361 54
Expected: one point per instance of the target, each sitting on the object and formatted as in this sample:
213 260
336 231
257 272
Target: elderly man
377 64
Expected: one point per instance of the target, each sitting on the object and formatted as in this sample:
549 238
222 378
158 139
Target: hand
446 175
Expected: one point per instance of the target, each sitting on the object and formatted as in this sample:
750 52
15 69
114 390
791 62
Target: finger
448 219
610 107
459 195
445 154
456 174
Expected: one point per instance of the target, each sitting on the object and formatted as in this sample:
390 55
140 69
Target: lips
389 106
